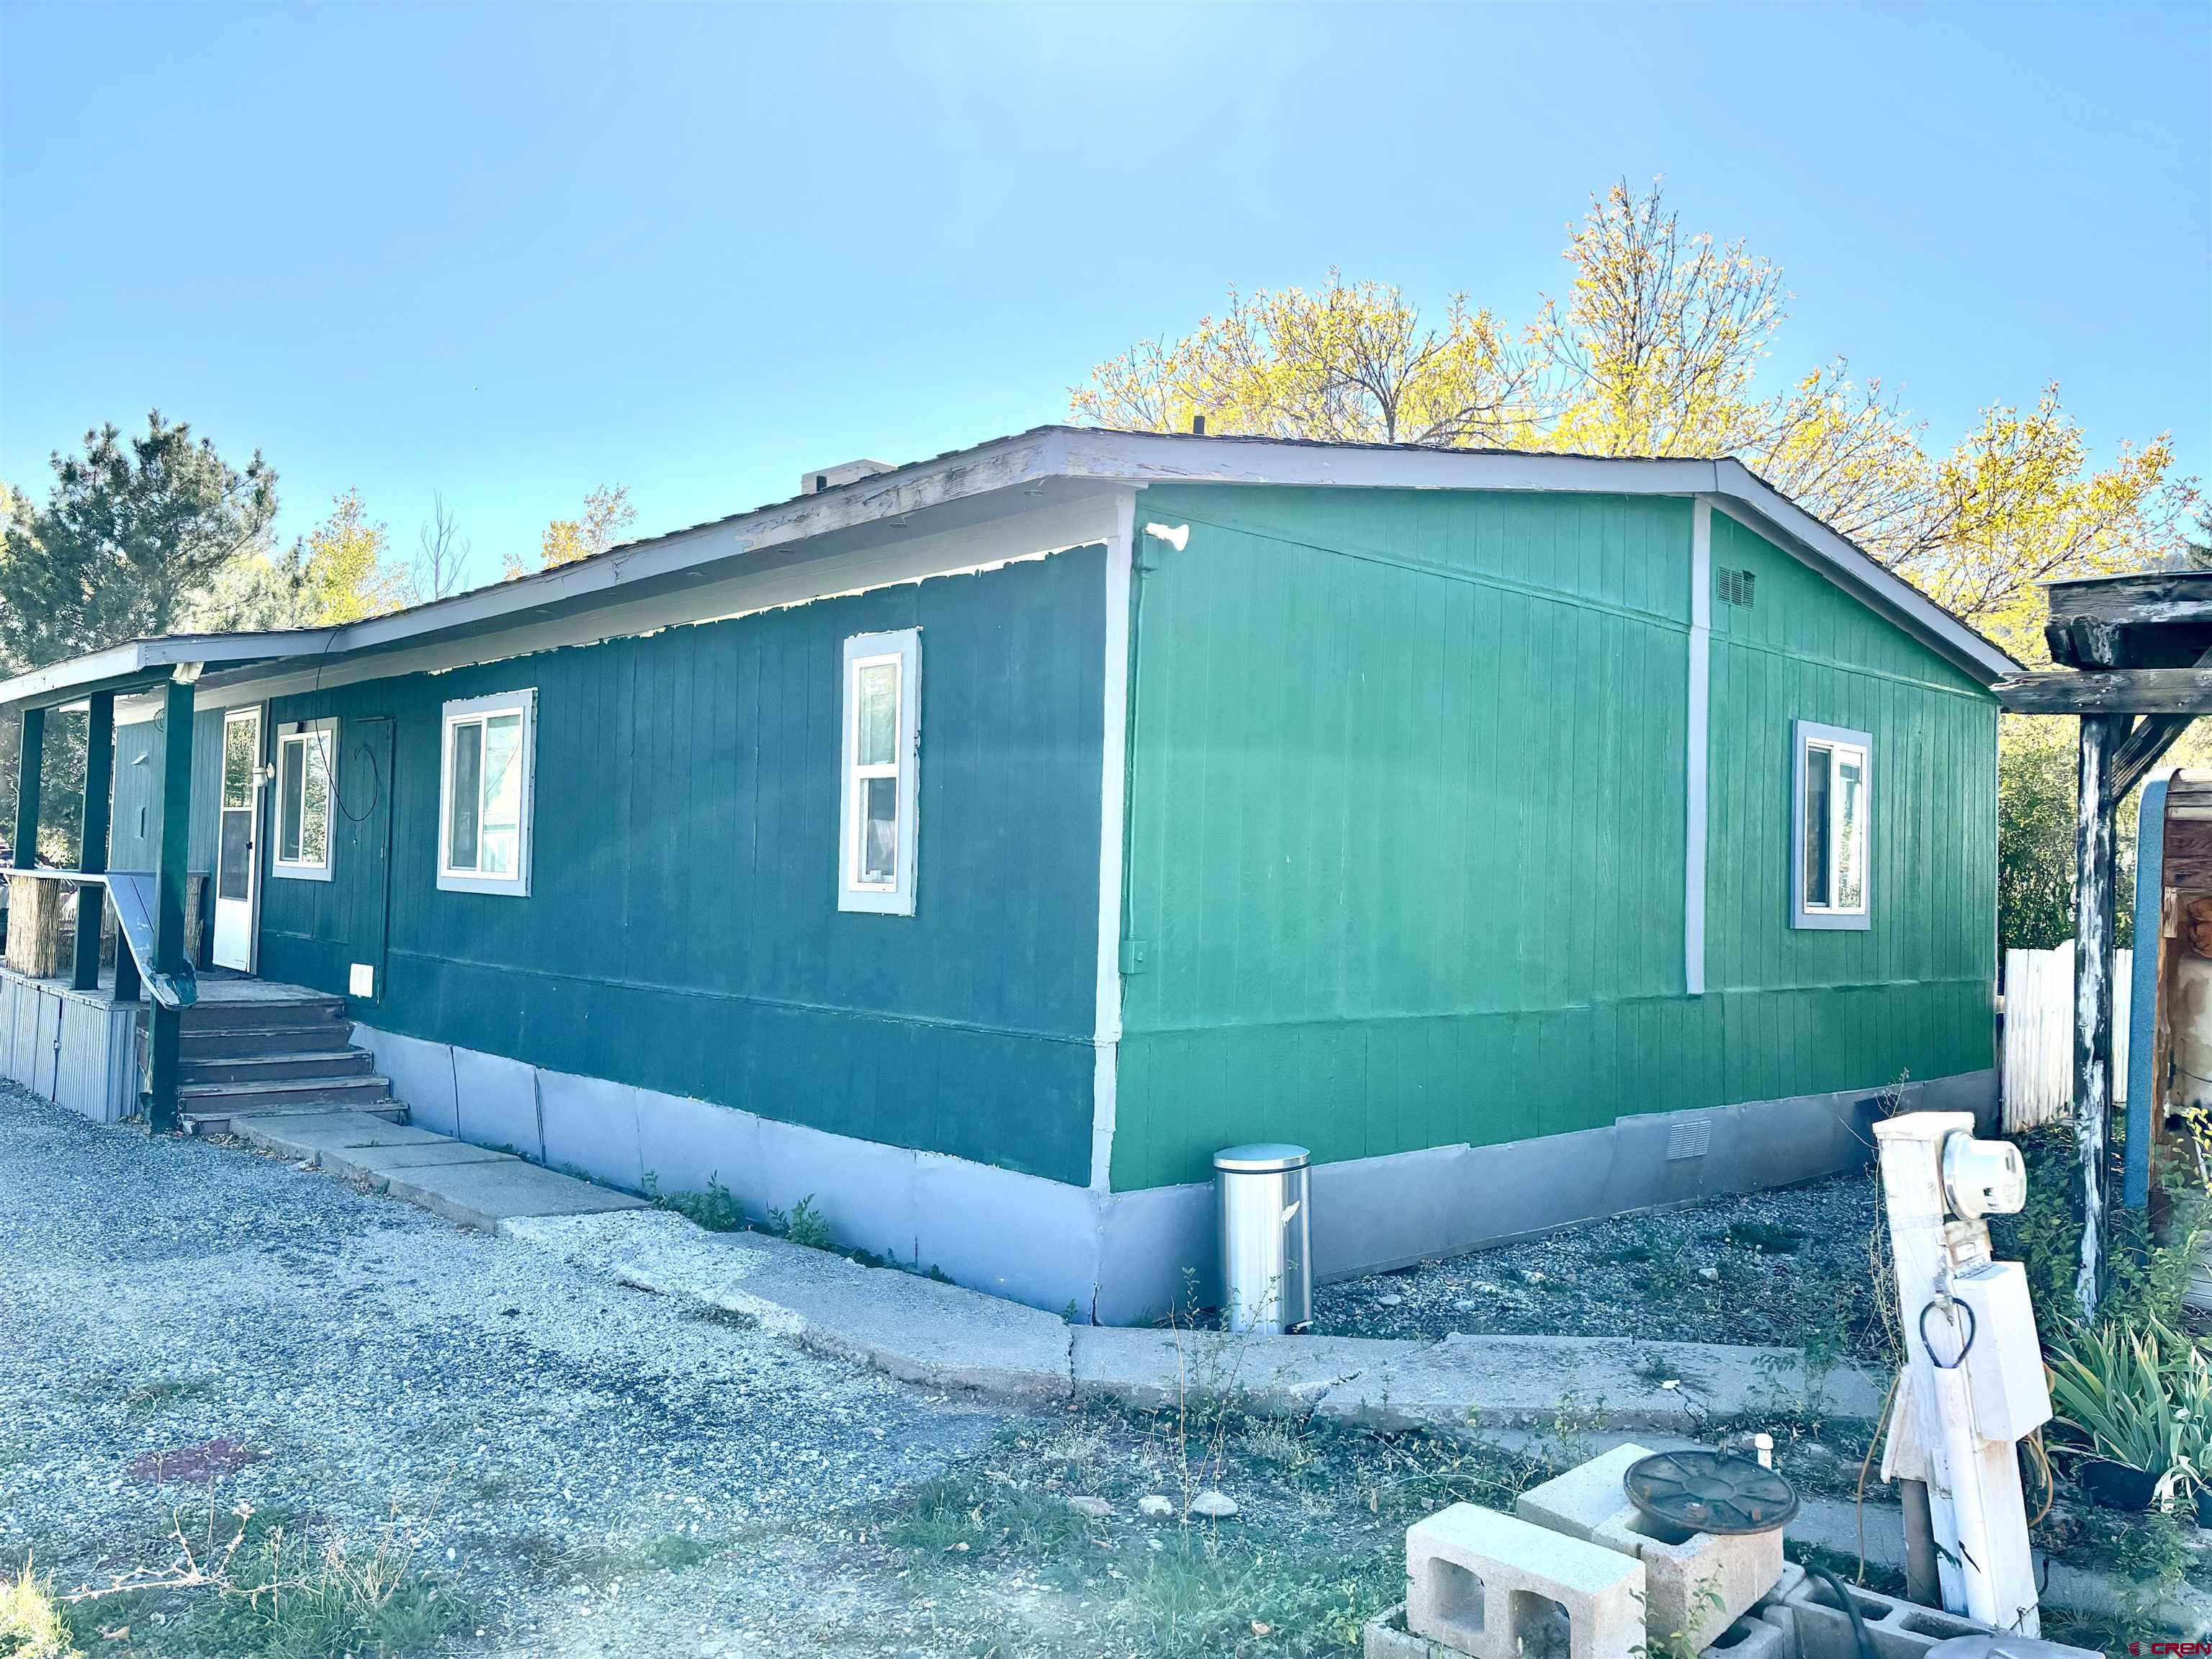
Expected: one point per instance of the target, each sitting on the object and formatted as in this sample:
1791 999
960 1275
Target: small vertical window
881 755
1831 827
485 794
305 753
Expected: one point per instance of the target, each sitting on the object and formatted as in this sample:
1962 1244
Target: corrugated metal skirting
76 1050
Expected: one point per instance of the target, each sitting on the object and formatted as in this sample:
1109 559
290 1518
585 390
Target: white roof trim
1863 577
1031 461
139 657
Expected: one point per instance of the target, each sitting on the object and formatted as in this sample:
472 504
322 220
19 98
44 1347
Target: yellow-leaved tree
1659 345
607 512
341 571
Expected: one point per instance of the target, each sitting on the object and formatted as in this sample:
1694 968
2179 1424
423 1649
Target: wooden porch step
210 1042
220 1120
289 1014
263 1066
337 1091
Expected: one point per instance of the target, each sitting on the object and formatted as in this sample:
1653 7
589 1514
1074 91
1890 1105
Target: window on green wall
881 755
484 795
304 751
1831 827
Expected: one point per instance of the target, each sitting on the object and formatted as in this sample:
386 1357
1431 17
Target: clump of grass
284 1598
1766 1237
32 1626
1199 1596
717 1209
168 1391
962 1515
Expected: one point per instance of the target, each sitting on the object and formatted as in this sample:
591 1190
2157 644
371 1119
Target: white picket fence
2039 1034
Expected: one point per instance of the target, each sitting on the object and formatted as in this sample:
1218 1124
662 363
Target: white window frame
895 898
1807 736
322 734
476 711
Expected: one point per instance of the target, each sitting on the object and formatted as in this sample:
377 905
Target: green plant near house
2112 1389
803 1224
716 1209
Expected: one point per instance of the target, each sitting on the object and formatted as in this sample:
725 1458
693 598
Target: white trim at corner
1696 762
1113 784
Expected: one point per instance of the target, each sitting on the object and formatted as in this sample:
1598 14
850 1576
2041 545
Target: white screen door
237 847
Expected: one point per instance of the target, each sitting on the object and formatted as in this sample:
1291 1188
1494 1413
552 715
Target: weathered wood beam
2082 642
2156 598
91 839
2143 749
30 761
2108 691
169 901
2093 887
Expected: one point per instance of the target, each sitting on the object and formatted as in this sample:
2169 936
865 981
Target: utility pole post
1974 1382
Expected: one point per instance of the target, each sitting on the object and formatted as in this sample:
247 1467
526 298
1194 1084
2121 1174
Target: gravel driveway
189 1326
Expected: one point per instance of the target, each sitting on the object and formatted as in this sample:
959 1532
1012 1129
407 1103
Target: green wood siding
1406 819
681 931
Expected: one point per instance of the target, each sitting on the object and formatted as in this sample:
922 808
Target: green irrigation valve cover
1718 1492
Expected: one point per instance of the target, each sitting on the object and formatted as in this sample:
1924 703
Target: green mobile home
976 845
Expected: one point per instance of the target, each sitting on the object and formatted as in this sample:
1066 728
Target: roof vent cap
829 477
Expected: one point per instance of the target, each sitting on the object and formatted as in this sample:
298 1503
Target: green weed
1200 1596
716 1209
284 1598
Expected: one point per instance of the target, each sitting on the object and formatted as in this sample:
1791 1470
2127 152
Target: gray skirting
1124 1258
77 1049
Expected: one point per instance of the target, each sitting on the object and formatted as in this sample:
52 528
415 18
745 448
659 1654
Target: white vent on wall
1689 1137
1736 587
845 472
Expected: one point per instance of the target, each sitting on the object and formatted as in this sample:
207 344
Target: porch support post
169 897
92 842
29 760
2093 870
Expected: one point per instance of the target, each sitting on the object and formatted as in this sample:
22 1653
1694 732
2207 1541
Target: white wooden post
1976 1507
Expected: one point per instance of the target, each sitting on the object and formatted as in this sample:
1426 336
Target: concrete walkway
1513 1390
924 1331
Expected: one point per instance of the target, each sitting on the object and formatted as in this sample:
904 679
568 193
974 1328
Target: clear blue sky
509 254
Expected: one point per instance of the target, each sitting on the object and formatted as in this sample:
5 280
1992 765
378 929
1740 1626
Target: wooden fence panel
2039 1035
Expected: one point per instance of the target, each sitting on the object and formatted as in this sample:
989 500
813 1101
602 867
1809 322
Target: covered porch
99 1022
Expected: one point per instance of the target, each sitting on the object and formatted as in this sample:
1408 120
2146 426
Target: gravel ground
190 1326
1787 1267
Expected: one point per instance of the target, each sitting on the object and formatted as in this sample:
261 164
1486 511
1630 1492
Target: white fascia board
891 496
1162 458
137 657
886 563
1771 513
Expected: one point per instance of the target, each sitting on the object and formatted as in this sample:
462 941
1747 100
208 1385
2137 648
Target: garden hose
1863 1641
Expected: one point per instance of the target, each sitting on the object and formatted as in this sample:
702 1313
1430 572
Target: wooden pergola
2135 656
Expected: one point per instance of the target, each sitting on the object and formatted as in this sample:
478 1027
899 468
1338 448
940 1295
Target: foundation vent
1736 587
1689 1137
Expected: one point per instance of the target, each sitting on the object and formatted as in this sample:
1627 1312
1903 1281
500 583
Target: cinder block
1585 1498
1899 1629
1696 1585
1755 1636
1496 1587
1386 1637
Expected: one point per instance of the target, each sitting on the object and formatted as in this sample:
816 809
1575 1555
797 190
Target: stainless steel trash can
1266 1238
